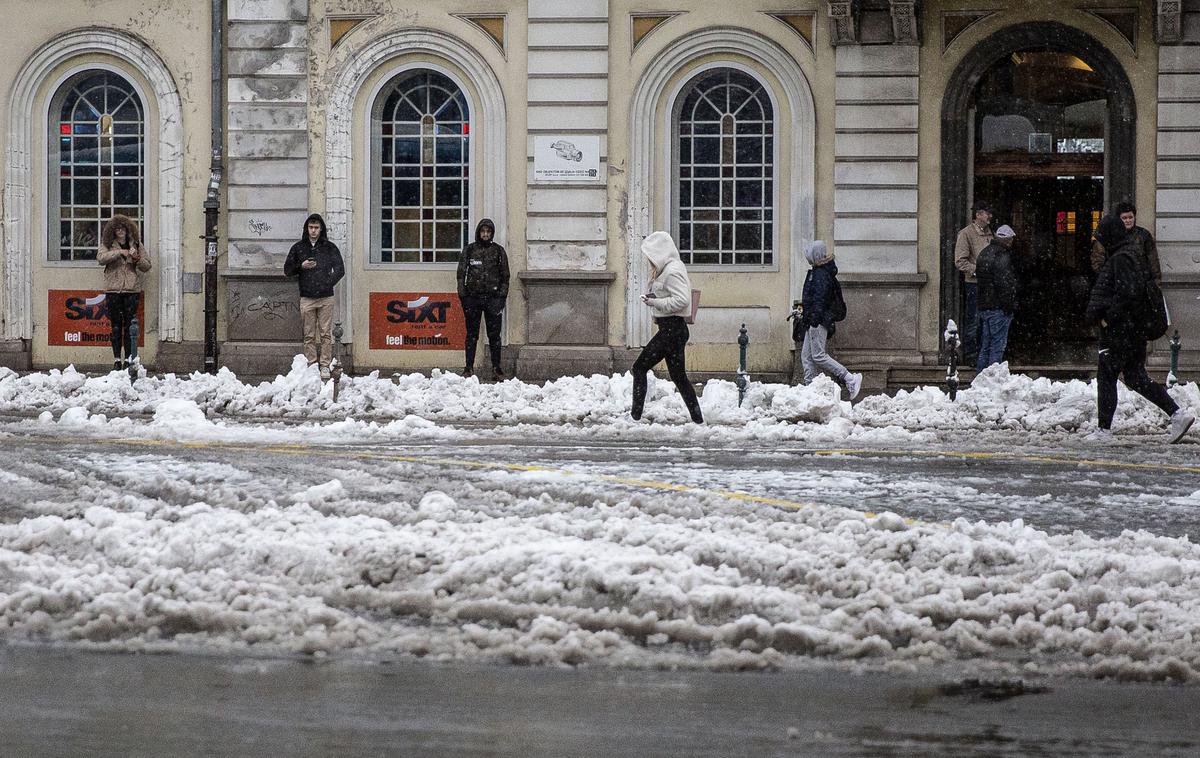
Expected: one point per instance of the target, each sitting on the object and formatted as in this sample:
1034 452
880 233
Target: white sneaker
324 373
1181 421
1101 436
853 384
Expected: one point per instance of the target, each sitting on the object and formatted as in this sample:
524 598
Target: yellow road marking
977 455
304 449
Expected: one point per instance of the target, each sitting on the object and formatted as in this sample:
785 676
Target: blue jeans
993 329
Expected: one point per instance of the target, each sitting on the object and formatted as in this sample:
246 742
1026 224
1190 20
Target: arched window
421 127
724 182
97 161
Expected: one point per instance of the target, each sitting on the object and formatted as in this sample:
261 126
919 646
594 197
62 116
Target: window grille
421 175
97 161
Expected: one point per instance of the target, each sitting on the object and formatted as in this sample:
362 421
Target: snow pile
997 399
563 569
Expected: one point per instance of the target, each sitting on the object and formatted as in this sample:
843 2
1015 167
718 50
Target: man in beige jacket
970 243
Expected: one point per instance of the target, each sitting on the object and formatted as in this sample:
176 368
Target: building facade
580 126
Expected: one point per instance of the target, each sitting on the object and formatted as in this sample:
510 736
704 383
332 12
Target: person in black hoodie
1116 305
483 291
318 263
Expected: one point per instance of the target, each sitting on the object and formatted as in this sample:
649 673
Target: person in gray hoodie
670 299
823 307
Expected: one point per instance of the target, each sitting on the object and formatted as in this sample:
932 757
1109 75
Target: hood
304 229
485 222
1111 232
660 250
817 253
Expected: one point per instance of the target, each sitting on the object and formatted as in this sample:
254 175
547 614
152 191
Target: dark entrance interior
1038 120
1039 135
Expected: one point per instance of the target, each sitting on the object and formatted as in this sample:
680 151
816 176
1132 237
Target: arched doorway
1038 121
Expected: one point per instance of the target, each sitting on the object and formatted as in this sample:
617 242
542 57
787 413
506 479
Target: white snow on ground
996 400
160 553
546 567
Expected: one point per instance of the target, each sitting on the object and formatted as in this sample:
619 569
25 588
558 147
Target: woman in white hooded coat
670 299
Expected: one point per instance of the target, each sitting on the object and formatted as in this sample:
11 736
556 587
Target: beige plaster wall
509 68
768 352
178 32
1141 66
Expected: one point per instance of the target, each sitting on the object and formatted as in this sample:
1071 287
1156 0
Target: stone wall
267 139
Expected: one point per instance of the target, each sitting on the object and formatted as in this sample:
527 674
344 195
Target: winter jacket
1118 295
121 274
820 285
318 281
1147 246
483 266
997 279
970 243
670 293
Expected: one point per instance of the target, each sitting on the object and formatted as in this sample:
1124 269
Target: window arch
420 198
723 178
96 160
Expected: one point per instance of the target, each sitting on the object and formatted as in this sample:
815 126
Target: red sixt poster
80 318
416 321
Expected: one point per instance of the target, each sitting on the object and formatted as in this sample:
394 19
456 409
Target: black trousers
1129 361
669 342
122 310
492 310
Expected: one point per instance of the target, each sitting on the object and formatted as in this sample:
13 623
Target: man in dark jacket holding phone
483 291
318 263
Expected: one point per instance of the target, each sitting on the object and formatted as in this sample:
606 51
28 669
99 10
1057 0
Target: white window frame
370 231
53 199
670 208
51 213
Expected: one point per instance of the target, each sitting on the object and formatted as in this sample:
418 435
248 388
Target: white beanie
816 253
1005 232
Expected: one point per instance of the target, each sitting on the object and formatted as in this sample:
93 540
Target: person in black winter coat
821 294
318 264
997 296
1116 306
483 290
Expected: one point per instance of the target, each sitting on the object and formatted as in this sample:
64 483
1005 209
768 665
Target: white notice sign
567 159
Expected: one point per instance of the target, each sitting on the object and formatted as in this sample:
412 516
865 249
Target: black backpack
837 306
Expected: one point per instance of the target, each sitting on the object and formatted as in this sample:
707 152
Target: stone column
267 174
875 200
566 286
1177 210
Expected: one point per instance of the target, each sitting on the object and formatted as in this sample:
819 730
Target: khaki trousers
317 316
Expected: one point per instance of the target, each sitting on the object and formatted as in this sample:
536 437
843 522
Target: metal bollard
134 333
335 368
1176 345
951 338
743 377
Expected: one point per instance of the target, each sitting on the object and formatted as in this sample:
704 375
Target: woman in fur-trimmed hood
125 260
